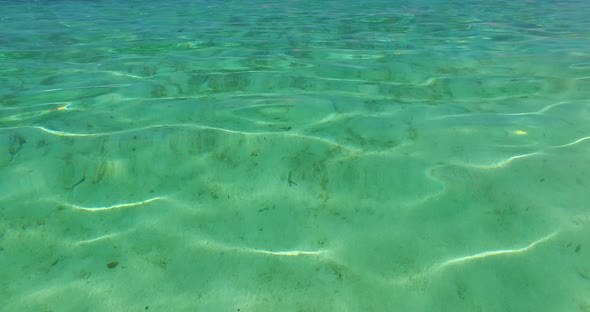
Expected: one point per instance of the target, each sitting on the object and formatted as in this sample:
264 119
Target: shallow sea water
294 156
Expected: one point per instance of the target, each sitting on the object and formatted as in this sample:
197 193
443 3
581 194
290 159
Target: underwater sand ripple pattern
374 159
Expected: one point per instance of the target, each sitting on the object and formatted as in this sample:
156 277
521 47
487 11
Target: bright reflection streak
493 253
505 162
92 240
290 253
573 143
118 206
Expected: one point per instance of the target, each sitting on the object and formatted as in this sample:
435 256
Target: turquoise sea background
294 155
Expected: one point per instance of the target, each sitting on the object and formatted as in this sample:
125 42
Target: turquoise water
294 156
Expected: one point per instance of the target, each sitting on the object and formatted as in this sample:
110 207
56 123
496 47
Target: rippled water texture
294 156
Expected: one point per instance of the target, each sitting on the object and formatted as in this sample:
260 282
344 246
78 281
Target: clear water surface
294 155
